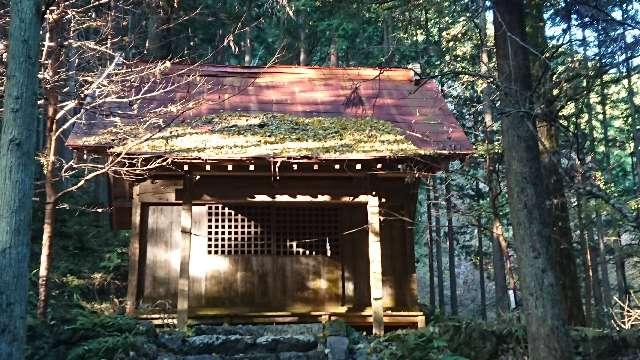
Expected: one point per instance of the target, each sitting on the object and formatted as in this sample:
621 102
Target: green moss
268 134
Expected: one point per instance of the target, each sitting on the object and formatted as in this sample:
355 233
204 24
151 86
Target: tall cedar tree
432 278
438 243
499 245
621 275
17 152
453 285
589 144
483 296
548 130
547 333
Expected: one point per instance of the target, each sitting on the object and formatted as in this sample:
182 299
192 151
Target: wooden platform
364 318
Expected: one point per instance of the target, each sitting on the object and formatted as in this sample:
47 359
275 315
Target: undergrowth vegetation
90 259
87 287
458 339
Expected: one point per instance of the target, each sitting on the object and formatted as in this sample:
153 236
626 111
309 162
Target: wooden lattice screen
259 229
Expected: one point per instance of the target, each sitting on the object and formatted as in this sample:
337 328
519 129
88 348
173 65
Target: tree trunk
591 148
564 257
500 279
17 145
634 121
52 82
248 56
547 333
585 235
386 34
491 174
621 274
46 257
586 262
438 241
333 51
547 121
604 123
3 56
453 285
432 279
604 266
599 319
483 296
302 31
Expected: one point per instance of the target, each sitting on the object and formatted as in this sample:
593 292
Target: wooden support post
134 253
185 253
375 265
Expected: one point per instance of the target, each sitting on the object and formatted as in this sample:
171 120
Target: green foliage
82 334
464 339
425 343
89 325
454 339
111 347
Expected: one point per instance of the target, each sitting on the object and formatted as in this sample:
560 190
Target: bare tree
73 60
87 76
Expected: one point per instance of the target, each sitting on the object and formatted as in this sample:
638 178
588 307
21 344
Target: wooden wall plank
163 256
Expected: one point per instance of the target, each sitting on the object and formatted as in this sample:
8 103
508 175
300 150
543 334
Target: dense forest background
585 84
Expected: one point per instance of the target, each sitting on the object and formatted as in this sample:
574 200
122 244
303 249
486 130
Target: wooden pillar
134 253
375 265
185 253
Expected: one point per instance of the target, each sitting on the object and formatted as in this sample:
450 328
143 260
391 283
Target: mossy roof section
244 135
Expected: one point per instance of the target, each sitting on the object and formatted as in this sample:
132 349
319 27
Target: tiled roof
416 108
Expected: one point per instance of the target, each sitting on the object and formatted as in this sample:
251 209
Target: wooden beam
375 265
396 318
134 253
185 253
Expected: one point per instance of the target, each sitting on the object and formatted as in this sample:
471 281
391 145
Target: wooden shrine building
273 194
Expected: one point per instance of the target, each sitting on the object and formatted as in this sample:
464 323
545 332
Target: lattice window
308 230
238 230
273 229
